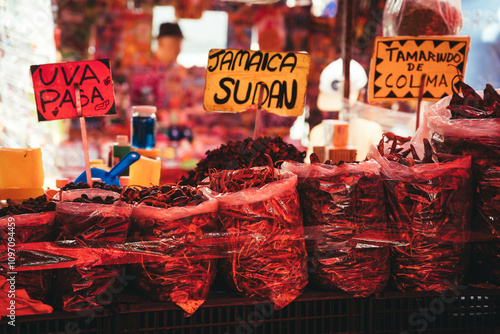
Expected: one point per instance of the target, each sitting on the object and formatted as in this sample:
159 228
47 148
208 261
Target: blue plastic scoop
111 176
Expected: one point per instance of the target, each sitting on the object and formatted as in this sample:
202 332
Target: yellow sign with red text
399 62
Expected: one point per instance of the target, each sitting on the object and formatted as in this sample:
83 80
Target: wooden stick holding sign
420 96
234 76
258 113
83 128
74 89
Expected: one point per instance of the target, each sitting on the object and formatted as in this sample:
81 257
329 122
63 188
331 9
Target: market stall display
252 239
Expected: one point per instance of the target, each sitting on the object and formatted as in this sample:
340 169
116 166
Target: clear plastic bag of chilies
428 206
422 17
263 234
340 203
26 228
182 235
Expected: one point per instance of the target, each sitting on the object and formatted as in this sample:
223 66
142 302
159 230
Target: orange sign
55 91
234 79
399 62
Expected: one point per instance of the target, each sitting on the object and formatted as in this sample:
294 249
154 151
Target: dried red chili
473 130
91 225
225 182
164 196
472 106
338 203
174 230
85 288
427 207
263 244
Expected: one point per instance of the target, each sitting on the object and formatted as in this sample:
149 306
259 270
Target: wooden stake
347 49
420 96
256 129
83 128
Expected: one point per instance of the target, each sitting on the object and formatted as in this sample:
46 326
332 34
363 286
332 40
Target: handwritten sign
399 62
234 79
55 93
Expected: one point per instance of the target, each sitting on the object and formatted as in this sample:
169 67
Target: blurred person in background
161 82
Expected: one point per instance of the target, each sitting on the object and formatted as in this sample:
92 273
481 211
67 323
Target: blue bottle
144 127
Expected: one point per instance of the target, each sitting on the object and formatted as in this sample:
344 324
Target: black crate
453 311
311 313
60 323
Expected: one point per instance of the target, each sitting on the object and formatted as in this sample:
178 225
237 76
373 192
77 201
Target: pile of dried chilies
339 203
426 206
474 129
176 221
263 235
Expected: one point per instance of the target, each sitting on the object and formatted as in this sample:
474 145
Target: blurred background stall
129 32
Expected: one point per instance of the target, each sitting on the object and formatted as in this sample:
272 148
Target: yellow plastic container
145 172
21 173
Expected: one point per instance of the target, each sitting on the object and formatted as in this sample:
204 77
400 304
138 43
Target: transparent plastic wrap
189 266
428 206
479 138
28 227
85 278
85 288
487 196
429 264
422 17
468 124
37 284
29 221
262 242
16 230
88 193
339 203
93 225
